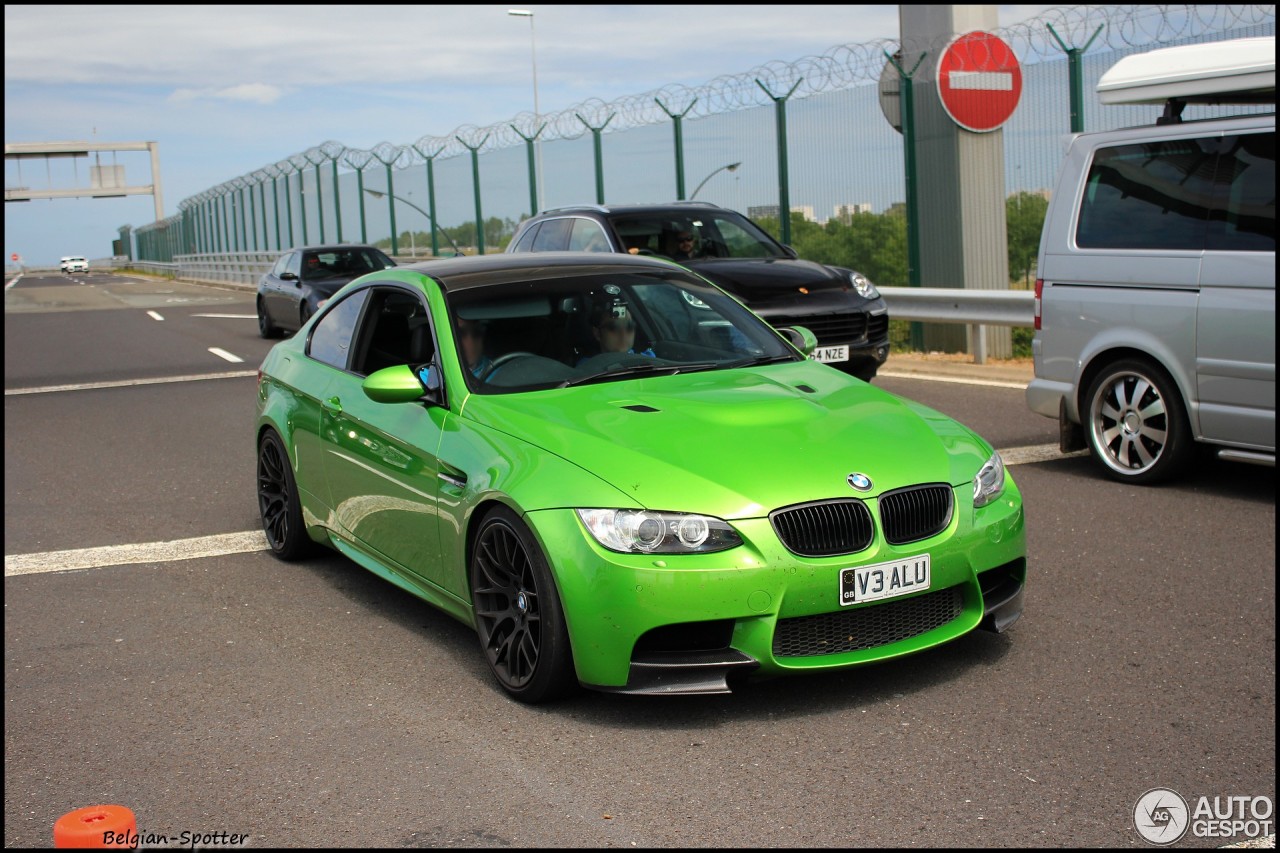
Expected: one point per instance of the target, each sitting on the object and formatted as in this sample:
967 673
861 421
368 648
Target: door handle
333 405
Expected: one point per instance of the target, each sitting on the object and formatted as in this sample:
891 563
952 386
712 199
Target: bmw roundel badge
861 482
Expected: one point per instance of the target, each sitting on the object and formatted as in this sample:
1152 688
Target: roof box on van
1235 71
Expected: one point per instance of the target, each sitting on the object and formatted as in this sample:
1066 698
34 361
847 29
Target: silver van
1156 299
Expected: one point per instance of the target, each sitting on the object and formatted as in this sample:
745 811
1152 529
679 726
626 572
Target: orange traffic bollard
96 826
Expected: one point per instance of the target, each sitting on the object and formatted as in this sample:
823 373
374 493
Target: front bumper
699 623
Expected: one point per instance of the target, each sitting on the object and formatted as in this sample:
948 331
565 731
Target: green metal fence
807 135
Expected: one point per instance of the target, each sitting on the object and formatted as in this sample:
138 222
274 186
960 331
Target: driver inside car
471 334
615 329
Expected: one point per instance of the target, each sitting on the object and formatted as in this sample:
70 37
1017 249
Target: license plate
884 580
826 355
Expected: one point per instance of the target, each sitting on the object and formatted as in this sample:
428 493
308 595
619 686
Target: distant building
844 212
770 211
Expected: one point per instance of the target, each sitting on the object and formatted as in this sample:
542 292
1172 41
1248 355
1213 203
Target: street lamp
533 52
732 167
379 194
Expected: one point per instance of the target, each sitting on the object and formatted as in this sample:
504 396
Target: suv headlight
989 482
632 531
863 285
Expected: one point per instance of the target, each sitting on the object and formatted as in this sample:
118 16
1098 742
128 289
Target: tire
266 328
519 618
1136 424
278 502
304 314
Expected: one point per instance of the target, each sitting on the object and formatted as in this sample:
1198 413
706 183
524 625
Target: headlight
989 482
863 285
633 531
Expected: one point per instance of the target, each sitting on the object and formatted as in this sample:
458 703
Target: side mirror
400 384
800 338
290 276
791 253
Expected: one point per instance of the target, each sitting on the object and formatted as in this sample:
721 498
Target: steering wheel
646 252
502 360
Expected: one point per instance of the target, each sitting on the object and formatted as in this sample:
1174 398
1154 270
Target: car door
380 458
1236 315
274 290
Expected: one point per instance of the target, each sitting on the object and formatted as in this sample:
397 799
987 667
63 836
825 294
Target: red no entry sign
979 81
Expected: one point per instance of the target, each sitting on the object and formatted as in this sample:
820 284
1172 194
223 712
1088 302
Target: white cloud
259 93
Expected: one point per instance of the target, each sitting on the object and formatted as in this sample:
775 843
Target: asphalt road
313 704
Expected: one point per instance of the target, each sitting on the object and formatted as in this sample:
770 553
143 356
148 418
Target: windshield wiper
752 360
640 370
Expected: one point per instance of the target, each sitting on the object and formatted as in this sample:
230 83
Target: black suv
840 306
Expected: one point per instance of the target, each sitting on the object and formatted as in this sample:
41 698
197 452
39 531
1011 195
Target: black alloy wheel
518 614
278 501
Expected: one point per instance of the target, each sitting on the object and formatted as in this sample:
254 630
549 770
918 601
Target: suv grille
866 627
824 529
828 328
878 328
916 513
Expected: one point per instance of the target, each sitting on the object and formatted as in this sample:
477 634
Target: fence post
599 154
1075 75
784 184
676 119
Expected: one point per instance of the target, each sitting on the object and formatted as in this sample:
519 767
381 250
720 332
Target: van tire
1136 423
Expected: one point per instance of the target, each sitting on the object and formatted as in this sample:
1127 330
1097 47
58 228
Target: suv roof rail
599 207
696 203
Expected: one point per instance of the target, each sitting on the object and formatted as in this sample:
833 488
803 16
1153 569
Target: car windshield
585 328
696 235
342 261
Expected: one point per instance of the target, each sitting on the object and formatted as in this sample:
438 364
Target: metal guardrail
977 308
953 305
237 268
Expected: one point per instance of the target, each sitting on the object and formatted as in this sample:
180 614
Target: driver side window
331 338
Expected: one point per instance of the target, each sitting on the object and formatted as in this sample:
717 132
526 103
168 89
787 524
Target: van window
1153 195
1244 218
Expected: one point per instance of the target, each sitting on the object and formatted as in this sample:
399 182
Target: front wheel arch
516 608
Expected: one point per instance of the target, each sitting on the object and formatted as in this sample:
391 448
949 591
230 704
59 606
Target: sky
225 90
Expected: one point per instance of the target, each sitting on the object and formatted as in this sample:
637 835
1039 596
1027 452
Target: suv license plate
884 580
827 355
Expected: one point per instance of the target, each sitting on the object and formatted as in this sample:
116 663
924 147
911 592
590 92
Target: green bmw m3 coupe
624 479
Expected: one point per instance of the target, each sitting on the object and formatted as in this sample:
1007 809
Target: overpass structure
105 181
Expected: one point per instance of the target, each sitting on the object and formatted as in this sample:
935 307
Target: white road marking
127 555
958 380
127 383
254 540
154 316
221 353
1036 453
